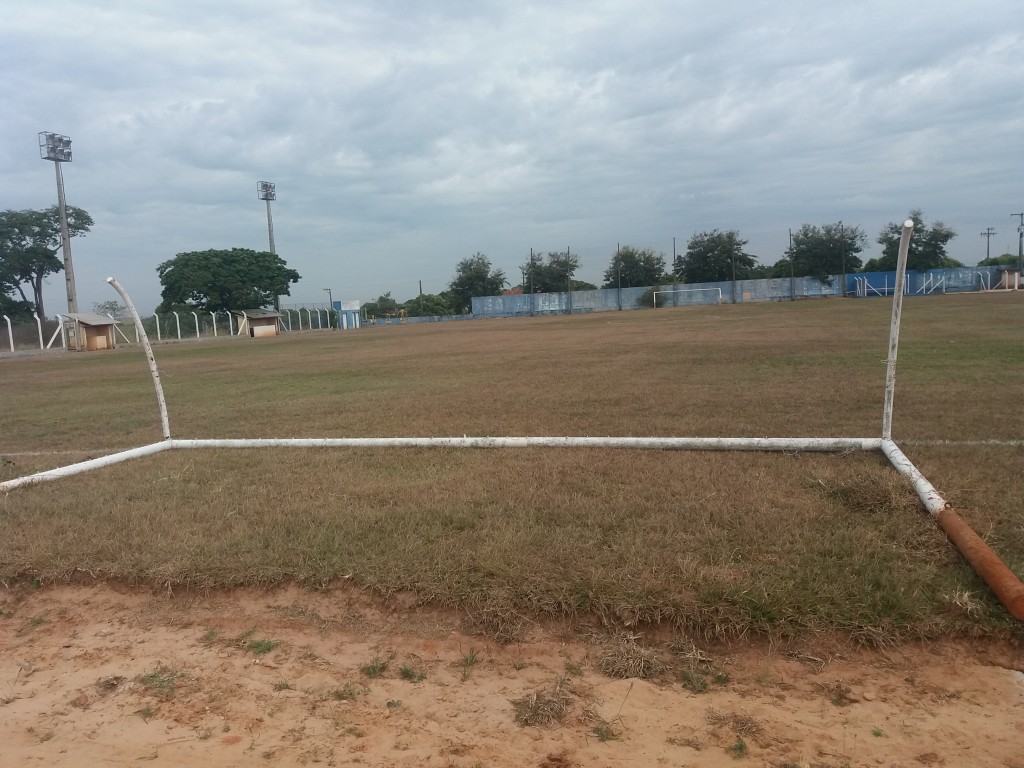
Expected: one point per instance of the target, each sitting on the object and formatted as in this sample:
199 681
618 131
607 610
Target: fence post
10 333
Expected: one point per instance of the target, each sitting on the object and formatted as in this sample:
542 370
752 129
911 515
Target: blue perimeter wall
960 279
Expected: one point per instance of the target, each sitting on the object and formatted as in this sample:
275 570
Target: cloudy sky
404 136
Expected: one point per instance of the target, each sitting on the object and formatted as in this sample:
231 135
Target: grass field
712 544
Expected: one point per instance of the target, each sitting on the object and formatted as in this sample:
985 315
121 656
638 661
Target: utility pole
618 274
1020 245
421 297
568 280
532 301
732 257
987 234
792 270
842 245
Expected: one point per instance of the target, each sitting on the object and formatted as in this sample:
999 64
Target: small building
87 331
1009 278
257 322
348 314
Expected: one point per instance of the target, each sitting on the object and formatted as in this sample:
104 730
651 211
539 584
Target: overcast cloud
405 136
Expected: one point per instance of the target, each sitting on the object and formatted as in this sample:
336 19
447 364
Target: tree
114 308
215 281
552 276
383 305
827 250
927 246
29 242
427 305
1002 260
715 256
635 267
474 277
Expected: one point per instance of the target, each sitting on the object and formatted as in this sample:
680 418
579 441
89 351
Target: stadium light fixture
57 149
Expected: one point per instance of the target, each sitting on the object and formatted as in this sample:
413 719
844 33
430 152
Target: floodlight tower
330 300
268 191
57 148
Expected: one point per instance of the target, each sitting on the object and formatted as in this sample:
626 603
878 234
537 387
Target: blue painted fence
865 285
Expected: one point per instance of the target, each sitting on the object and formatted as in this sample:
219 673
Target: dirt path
103 676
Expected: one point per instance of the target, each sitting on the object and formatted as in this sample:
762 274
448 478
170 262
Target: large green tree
830 249
1003 259
635 267
382 306
29 243
214 281
553 275
474 277
428 305
927 246
715 256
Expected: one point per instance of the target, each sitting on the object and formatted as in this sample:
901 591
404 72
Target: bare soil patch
99 674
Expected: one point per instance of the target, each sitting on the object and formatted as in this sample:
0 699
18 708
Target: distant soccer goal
704 296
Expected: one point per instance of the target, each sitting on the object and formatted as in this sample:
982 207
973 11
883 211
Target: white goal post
716 291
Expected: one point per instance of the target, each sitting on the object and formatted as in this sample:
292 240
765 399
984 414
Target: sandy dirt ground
101 675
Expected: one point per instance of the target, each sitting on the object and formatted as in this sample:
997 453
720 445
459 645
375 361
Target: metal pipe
214 316
894 328
1001 580
157 318
177 322
58 330
39 325
154 372
10 333
197 324
657 443
84 466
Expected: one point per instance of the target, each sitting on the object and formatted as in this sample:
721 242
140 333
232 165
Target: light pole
1020 244
266 190
57 148
330 299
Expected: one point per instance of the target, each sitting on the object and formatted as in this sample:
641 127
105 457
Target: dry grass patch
543 707
627 660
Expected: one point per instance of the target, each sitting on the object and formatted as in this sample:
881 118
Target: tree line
239 278
713 256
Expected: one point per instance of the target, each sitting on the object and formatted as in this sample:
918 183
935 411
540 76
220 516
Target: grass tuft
628 660
542 707
376 668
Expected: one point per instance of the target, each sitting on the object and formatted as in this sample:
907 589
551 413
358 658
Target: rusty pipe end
1000 579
